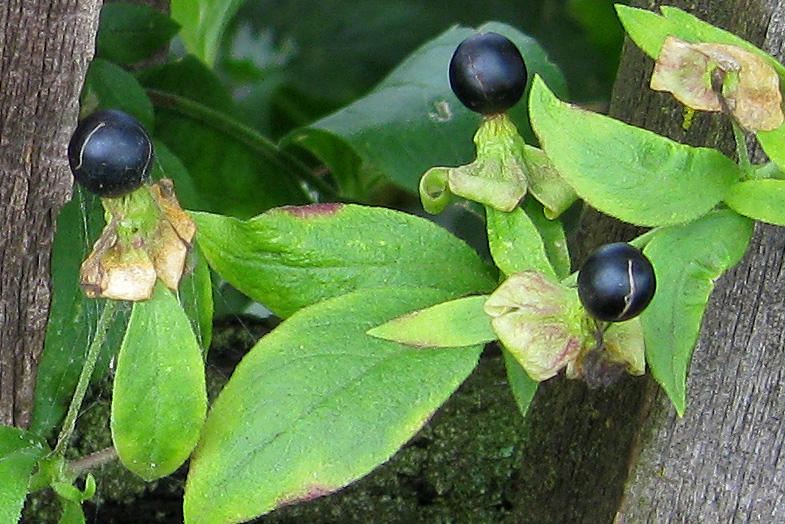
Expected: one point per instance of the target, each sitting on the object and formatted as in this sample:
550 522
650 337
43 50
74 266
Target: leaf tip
309 493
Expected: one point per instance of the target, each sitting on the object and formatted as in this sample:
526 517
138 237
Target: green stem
84 378
243 134
741 148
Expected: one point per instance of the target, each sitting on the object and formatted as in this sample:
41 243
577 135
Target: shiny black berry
110 153
616 282
487 73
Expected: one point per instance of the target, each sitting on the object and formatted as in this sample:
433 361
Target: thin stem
741 148
243 134
93 460
84 378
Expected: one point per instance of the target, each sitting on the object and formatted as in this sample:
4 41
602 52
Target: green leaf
128 33
412 121
292 257
196 297
109 86
515 242
203 24
159 399
316 404
553 237
773 144
457 323
72 513
523 388
627 172
73 316
687 259
19 452
762 200
234 170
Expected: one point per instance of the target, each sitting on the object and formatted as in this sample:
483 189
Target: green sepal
456 323
546 183
496 178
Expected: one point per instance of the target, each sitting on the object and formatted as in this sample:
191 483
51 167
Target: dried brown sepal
750 88
536 321
620 350
148 237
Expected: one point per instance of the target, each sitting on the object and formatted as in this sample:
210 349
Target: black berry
110 153
616 282
487 73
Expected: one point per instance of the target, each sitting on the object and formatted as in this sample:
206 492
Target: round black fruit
616 282
487 73
110 153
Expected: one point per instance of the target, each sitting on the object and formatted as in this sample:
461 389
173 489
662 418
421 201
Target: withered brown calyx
147 237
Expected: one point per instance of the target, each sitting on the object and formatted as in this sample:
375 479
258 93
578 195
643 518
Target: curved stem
243 134
84 378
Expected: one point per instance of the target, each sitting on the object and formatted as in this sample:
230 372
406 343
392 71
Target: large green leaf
456 323
762 200
687 259
412 120
19 452
128 33
234 170
627 172
317 404
291 257
203 22
72 317
159 399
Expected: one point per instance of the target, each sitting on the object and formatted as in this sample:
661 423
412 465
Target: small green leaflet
316 404
452 324
159 399
516 243
762 200
19 452
523 388
627 172
687 259
773 144
291 257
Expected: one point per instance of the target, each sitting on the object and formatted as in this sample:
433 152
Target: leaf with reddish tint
318 403
291 257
